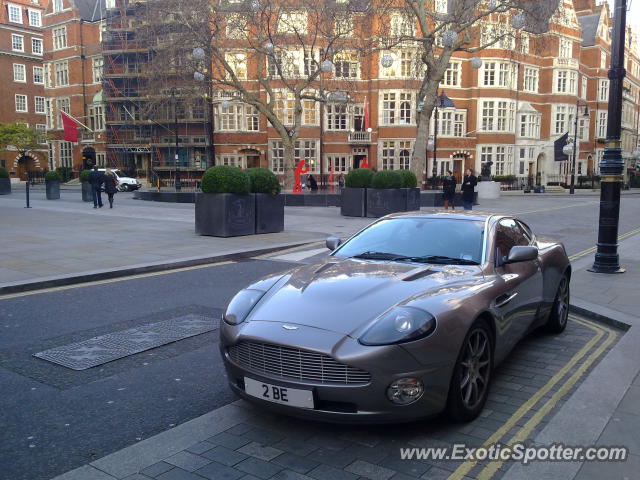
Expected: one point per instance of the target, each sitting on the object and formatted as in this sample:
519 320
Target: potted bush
225 208
409 185
5 182
52 185
386 194
87 195
269 203
353 198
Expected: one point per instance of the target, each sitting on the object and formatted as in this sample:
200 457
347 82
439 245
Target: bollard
28 206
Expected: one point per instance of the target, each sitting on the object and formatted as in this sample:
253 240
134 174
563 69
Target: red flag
70 127
366 114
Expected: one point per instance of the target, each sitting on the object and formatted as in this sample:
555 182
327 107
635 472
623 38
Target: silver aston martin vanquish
405 319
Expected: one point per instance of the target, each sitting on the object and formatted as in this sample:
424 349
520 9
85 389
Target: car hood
343 295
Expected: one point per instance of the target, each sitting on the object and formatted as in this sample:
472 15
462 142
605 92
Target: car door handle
505 298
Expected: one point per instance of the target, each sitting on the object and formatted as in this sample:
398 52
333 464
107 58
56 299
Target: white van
126 184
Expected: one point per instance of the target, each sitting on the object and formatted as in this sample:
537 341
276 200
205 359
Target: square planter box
381 202
269 213
353 202
413 199
52 189
87 195
225 214
5 186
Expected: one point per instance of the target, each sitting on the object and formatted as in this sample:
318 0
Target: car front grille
288 362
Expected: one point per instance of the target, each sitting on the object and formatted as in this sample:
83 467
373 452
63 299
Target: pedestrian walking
110 185
313 185
449 190
96 179
468 187
341 181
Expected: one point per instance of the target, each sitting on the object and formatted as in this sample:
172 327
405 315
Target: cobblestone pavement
528 387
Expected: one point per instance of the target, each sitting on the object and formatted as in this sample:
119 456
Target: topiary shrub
359 178
226 179
65 173
4 173
263 180
52 176
386 179
409 179
84 175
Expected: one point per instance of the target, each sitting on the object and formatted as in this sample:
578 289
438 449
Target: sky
633 13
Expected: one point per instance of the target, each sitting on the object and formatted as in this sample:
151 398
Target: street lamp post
611 166
575 146
175 128
442 101
199 55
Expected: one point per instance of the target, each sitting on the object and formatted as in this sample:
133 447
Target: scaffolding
145 87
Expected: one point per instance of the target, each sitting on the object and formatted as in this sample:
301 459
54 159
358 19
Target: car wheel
124 188
471 375
560 309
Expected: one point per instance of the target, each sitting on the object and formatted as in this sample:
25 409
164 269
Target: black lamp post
611 166
175 128
442 101
575 146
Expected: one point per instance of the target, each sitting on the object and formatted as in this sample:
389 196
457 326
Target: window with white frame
502 164
566 81
529 125
451 122
62 73
62 105
524 43
52 155
49 112
39 105
566 48
285 106
38 75
603 60
497 74
293 22
229 116
397 108
59 38
562 118
21 103
47 75
276 153
452 75
583 129
307 150
603 90
531 78
442 6
602 124
66 154
19 73
311 61
407 64
17 43
35 18
337 116
101 159
252 118
36 46
339 163
236 25
41 129
287 63
497 115
310 113
96 117
57 6
396 154
238 63
343 26
497 35
97 68
346 65
15 13
232 160
583 88
402 25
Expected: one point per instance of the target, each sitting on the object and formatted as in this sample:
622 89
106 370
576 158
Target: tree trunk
419 161
289 164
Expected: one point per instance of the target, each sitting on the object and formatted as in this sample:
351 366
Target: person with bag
96 179
449 190
110 185
468 187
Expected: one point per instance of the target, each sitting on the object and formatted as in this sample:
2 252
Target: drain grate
106 348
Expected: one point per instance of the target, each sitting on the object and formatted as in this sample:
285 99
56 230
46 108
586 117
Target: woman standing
468 186
110 185
449 190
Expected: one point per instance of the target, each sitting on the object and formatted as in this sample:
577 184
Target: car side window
508 235
525 230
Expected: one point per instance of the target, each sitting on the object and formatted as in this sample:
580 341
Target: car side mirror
333 243
522 254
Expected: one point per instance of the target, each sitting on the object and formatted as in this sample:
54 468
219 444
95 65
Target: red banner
70 128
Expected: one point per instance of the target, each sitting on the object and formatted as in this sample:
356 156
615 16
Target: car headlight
398 325
241 305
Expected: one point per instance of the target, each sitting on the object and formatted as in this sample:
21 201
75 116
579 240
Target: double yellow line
593 249
523 433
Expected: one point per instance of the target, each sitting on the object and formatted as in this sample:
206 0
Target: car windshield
428 240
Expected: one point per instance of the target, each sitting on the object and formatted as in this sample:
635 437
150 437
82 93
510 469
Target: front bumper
352 403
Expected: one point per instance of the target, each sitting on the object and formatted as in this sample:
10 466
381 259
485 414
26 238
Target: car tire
557 321
124 188
474 366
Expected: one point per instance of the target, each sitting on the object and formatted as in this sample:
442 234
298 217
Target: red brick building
22 76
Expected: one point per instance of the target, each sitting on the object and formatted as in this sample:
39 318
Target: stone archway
23 164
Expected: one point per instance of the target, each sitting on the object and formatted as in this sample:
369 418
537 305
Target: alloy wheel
562 302
476 368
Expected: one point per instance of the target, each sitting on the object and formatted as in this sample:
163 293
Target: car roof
466 215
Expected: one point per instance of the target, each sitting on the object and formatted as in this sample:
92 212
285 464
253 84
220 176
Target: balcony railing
565 63
360 138
87 137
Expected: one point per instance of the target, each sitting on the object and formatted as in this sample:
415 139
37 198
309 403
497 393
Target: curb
139 269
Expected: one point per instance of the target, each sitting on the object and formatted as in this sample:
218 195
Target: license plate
277 394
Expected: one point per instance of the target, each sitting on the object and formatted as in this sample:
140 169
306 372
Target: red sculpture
330 179
363 163
300 169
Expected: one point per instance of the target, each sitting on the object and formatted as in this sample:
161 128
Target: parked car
406 319
126 184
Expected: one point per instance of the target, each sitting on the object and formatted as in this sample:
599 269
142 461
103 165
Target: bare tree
449 26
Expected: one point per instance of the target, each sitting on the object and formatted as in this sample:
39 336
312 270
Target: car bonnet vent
416 274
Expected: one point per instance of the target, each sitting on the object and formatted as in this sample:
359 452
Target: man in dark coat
96 179
449 190
313 185
468 186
